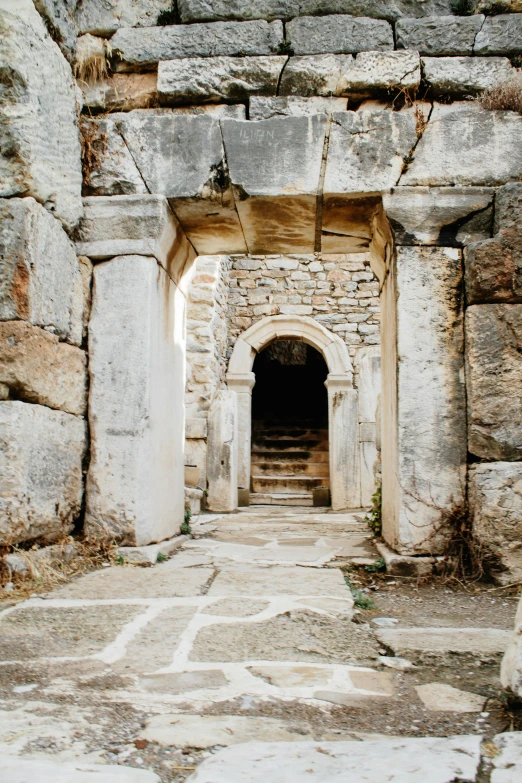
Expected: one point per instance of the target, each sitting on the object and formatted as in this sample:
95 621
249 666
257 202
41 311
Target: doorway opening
290 460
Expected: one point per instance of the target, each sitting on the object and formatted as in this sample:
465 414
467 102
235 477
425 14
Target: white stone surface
338 33
405 760
117 173
38 124
41 458
465 75
511 669
373 71
20 770
440 697
135 485
223 452
368 367
41 280
261 108
321 75
438 641
345 473
508 763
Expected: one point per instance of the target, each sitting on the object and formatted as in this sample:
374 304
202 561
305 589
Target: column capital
340 382
241 383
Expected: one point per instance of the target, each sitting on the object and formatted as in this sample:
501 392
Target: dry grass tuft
505 96
92 58
94 141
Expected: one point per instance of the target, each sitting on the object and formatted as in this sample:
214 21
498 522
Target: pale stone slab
493 375
511 668
508 763
117 173
39 369
464 144
146 555
278 580
102 18
41 280
38 124
439 35
121 91
500 35
368 368
405 760
345 473
320 75
439 697
19 770
373 71
222 458
136 341
41 490
293 106
212 10
143 48
465 75
440 641
338 34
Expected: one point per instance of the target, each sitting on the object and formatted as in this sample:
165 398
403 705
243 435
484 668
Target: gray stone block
444 35
465 75
315 75
494 377
60 14
103 17
143 48
212 10
40 280
115 173
339 34
42 482
265 108
500 35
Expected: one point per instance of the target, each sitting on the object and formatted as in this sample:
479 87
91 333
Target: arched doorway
289 457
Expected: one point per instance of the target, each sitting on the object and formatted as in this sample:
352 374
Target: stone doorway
289 458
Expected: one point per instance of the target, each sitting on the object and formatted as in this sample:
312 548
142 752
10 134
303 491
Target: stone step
290 456
288 485
286 444
276 499
291 468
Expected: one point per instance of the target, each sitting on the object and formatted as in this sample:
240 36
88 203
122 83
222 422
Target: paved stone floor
247 633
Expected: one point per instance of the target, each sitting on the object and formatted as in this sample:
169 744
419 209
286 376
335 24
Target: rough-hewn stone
464 144
374 71
142 48
103 17
114 173
41 490
40 279
222 452
500 35
315 75
494 266
121 91
293 106
212 10
339 34
494 375
60 15
39 369
38 131
193 80
465 75
379 9
495 498
439 35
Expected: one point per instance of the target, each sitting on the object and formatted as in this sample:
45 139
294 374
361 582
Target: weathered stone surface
39 369
17 770
495 498
103 17
465 75
202 79
439 216
464 144
41 488
144 48
511 669
60 14
419 644
136 355
121 91
115 172
38 131
509 6
507 765
339 34
374 71
494 267
440 697
378 9
367 149
293 106
442 35
494 374
500 35
40 279
213 10
315 75
222 452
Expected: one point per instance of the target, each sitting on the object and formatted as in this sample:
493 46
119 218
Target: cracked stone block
465 75
494 266
38 128
41 490
315 75
60 14
441 35
494 375
40 280
495 499
121 91
143 48
338 34
293 106
104 17
39 369
114 172
500 35
373 71
464 144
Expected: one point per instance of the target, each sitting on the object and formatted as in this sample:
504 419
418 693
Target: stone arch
342 399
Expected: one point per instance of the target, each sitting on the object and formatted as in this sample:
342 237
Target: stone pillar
222 459
423 399
343 426
369 387
243 385
135 485
511 669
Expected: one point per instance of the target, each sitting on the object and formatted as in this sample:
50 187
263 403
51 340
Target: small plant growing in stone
505 96
374 517
185 528
285 47
375 568
170 16
120 560
161 557
360 600
463 7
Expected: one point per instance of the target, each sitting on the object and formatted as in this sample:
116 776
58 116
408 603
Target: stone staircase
288 462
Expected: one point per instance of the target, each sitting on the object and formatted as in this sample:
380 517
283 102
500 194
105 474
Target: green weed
374 516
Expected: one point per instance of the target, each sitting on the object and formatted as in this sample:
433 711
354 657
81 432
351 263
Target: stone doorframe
342 399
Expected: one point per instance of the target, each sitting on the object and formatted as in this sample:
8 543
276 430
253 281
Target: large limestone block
39 369
40 279
135 485
121 91
465 75
439 35
275 168
339 34
367 149
343 435
368 368
143 48
17 770
134 225
59 15
115 173
424 450
222 457
202 80
494 266
41 453
500 35
103 17
464 144
315 75
439 216
494 375
212 10
293 106
511 668
495 499
39 136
